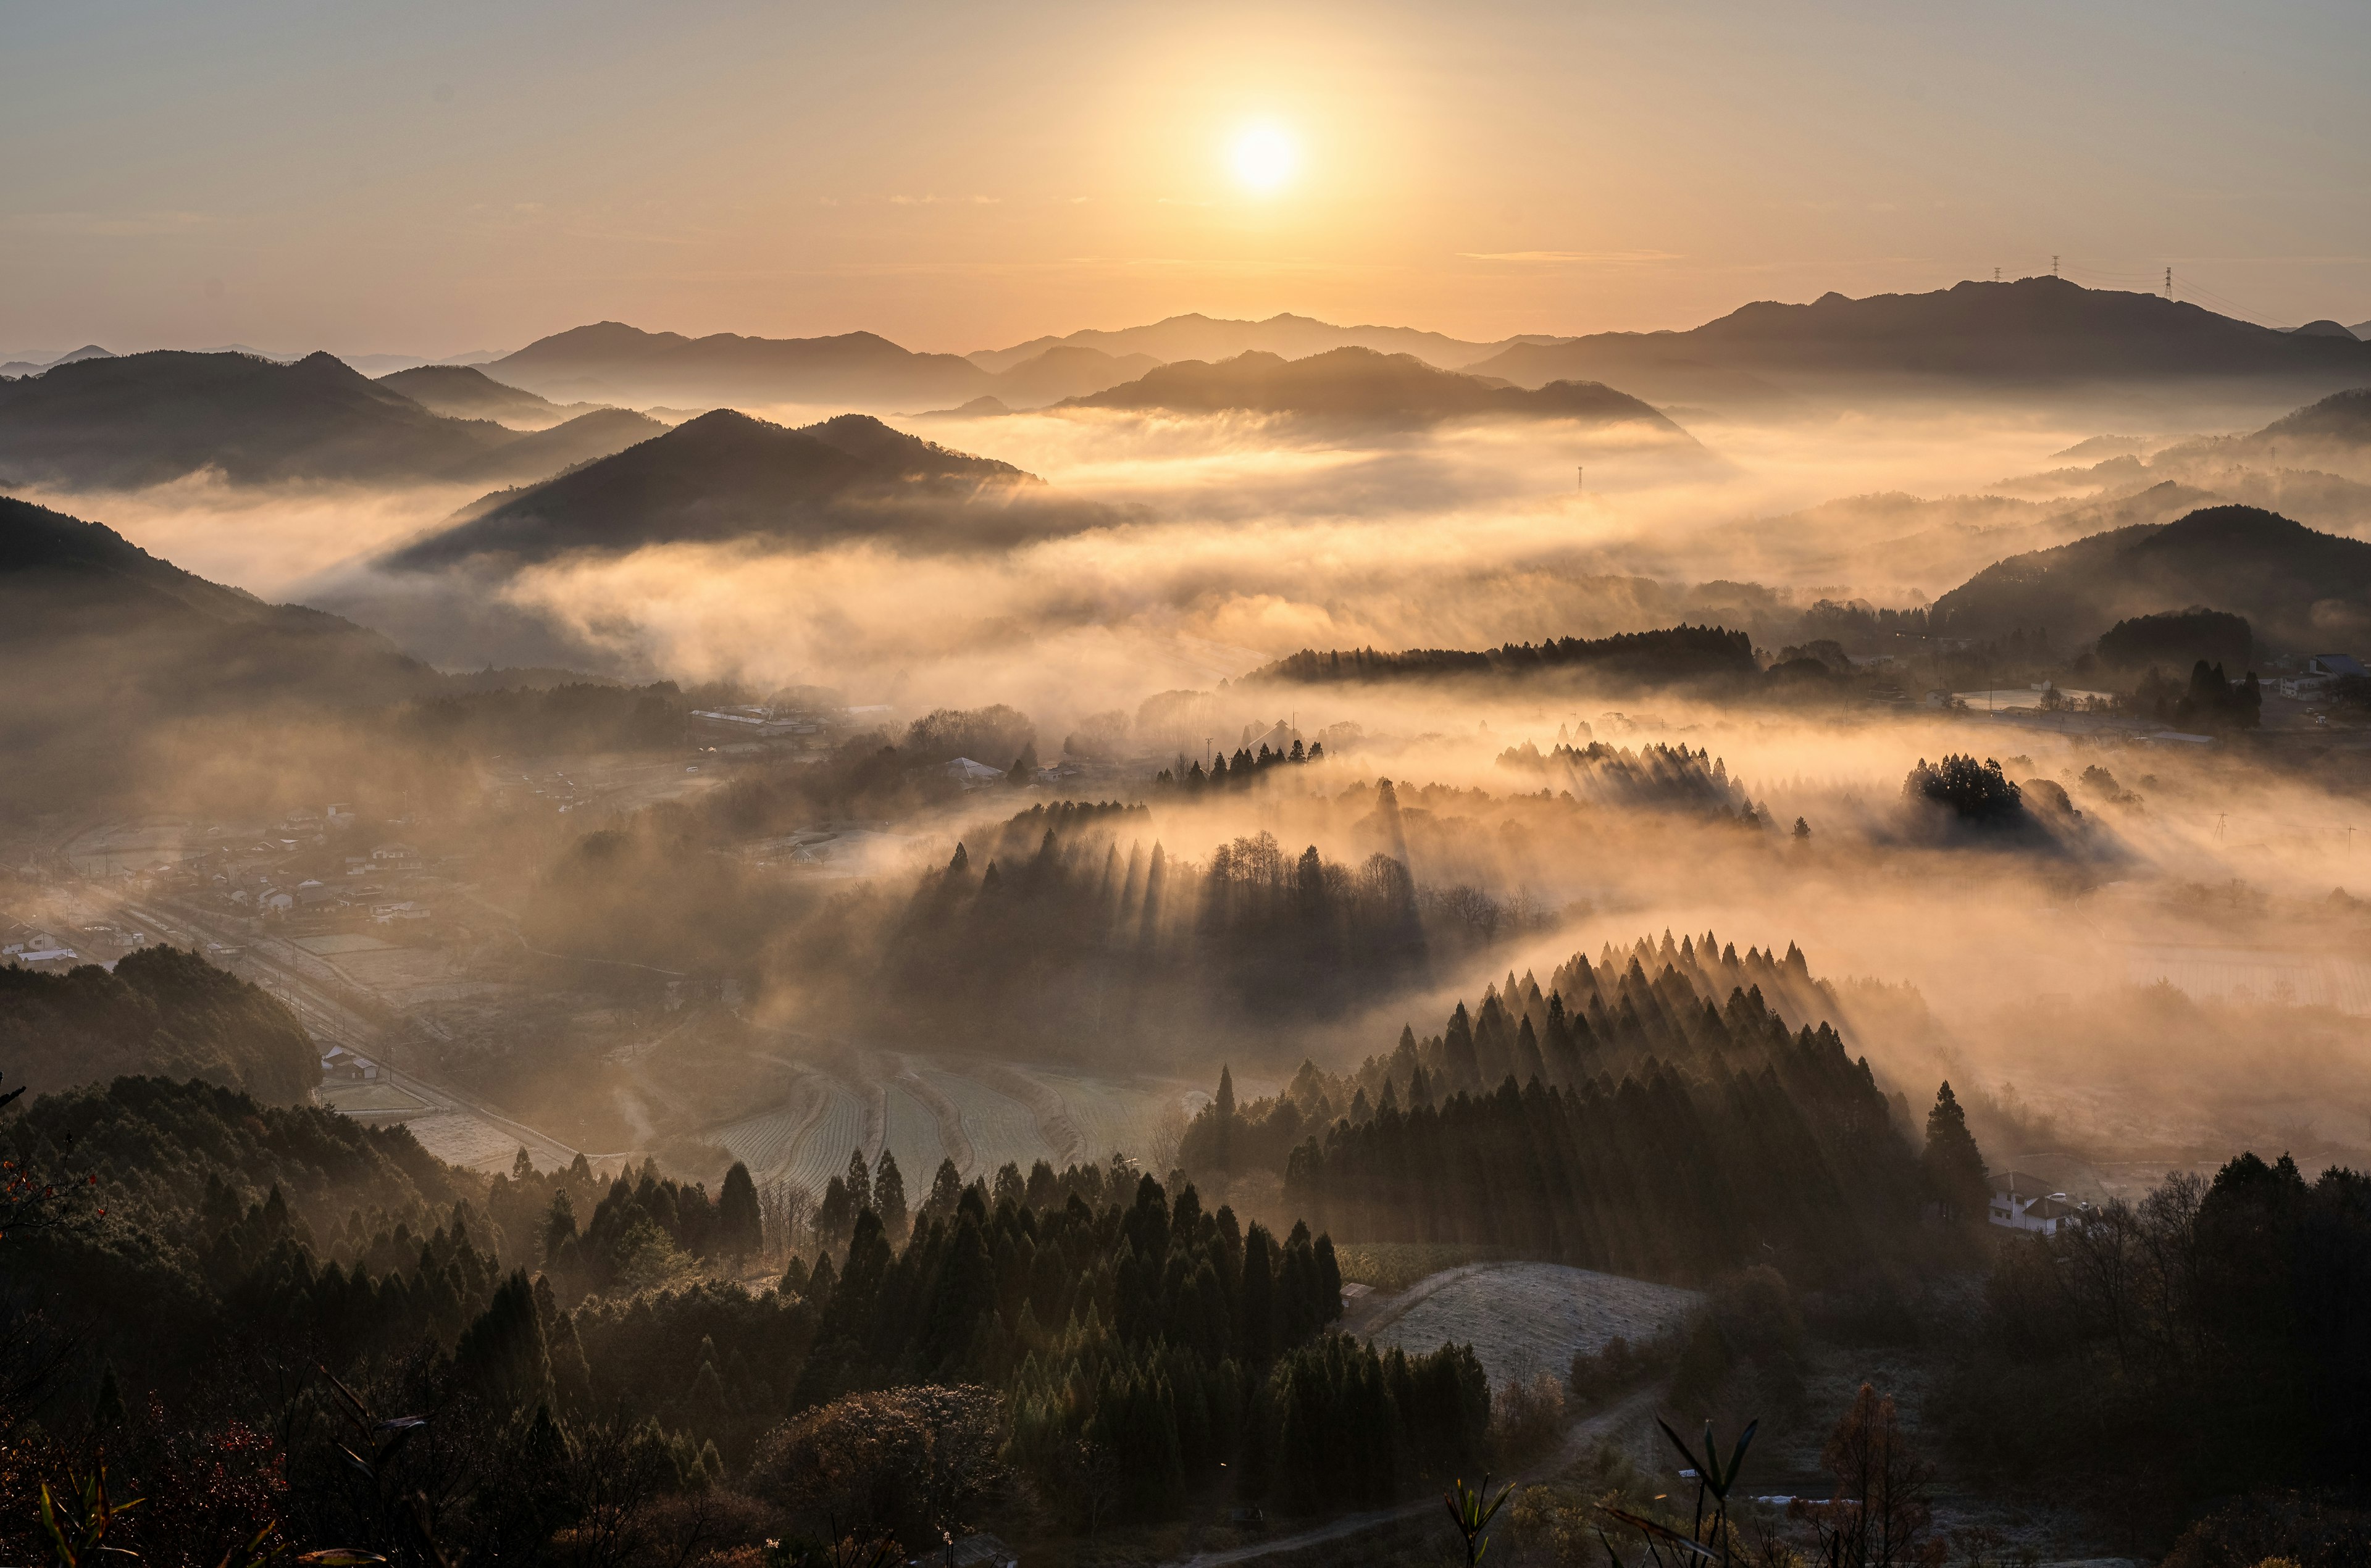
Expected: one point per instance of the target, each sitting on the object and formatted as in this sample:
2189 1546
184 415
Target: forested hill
146 419
1360 386
614 1348
2298 588
726 475
1679 652
162 1011
1651 1112
105 644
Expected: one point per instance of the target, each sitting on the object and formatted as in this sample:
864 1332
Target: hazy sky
432 178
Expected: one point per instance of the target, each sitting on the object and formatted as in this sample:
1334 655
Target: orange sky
433 177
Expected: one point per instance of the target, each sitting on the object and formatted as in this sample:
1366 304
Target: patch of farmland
458 1139
1110 1117
805 1140
1523 1318
1001 1127
912 1134
821 1152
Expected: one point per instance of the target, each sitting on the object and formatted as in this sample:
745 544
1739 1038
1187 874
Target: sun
1265 157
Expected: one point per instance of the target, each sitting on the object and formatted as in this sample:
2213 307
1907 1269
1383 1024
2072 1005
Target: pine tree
740 1228
889 1196
946 1192
1954 1167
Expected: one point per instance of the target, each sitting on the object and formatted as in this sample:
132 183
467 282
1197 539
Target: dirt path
1604 1423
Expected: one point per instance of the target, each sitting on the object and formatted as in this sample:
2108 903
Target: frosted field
1522 1318
1108 1117
808 1140
805 1141
2250 975
999 1127
913 1137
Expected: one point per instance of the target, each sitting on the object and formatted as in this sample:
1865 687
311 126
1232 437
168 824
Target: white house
2025 1203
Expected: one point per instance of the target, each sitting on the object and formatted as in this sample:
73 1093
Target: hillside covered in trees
1653 1112
161 1010
634 1355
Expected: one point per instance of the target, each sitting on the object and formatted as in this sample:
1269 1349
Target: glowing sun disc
1265 159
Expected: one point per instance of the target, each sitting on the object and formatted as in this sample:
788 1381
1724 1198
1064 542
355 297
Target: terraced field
999 1127
807 1139
1108 1118
913 1138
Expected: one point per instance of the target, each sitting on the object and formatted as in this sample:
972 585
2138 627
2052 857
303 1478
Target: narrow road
1604 1423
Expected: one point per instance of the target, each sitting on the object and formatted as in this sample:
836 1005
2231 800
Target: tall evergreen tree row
1673 1125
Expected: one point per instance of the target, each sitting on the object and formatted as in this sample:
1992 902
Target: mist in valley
1053 942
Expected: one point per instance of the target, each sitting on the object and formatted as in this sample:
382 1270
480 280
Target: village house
2025 1203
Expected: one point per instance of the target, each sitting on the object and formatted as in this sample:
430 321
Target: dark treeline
1190 779
2210 700
622 1370
2177 638
2244 1297
1680 652
1673 1127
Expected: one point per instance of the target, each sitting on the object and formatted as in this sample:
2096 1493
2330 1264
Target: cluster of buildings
272 880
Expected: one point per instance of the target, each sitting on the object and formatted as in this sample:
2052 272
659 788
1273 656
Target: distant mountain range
1363 386
465 392
135 420
614 363
2303 590
102 639
1294 337
726 475
2035 332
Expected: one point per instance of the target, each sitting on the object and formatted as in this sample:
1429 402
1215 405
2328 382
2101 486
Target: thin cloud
1567 258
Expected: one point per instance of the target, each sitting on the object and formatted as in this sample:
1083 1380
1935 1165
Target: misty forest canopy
725 476
1650 1113
1063 928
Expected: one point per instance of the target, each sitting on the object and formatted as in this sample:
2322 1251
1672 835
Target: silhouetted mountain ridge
2303 590
136 420
2035 330
1361 386
727 476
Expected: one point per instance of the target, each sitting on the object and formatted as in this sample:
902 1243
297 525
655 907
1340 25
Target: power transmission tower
2053 266
2168 282
1996 274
